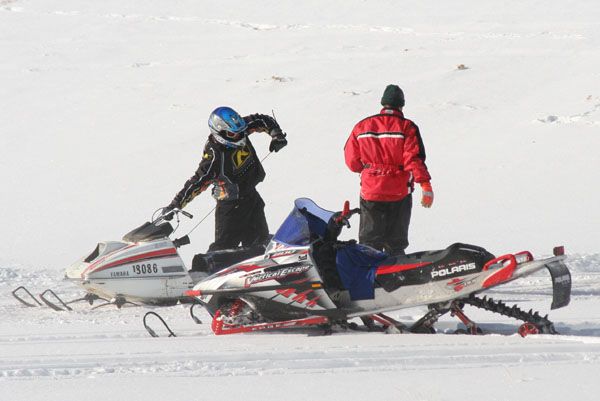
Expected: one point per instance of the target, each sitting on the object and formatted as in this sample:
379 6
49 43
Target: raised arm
265 123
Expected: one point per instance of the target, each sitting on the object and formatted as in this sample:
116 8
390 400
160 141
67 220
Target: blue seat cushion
357 265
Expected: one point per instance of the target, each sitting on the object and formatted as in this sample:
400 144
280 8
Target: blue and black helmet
227 127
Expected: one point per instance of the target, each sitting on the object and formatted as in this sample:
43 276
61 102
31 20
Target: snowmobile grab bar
507 265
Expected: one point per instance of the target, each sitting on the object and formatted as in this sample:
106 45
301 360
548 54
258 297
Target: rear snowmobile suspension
425 324
456 310
543 325
389 324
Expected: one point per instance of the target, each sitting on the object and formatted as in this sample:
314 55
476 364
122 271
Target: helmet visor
233 136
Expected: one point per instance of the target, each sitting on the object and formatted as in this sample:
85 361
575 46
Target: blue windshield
304 223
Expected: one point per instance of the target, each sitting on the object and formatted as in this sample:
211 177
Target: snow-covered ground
103 109
106 353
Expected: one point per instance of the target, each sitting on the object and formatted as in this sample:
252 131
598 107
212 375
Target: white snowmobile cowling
148 272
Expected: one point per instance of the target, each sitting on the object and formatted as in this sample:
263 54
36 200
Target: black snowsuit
234 174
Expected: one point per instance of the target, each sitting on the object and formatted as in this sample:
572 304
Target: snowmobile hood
75 271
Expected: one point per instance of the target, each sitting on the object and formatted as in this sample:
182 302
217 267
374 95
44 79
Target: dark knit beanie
393 96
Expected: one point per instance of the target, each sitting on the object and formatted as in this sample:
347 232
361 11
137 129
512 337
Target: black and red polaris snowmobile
307 277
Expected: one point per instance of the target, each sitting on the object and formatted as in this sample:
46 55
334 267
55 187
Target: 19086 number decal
145 268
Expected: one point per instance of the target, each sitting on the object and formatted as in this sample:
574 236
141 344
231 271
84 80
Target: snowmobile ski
150 330
29 294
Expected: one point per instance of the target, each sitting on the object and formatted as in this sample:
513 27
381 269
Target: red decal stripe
300 298
286 292
148 255
102 259
248 268
313 302
219 327
399 268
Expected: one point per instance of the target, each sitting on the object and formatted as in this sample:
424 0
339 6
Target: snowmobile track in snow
93 358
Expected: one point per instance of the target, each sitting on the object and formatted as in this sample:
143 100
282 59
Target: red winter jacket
387 150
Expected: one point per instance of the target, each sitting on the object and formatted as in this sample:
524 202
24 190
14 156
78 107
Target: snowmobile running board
220 328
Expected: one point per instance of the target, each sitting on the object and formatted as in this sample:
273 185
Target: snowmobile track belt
545 326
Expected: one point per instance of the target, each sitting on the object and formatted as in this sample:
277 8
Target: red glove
427 199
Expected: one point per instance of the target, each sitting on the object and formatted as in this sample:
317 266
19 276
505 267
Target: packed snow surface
106 353
103 109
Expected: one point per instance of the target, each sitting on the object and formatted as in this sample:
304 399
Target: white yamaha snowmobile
144 267
307 277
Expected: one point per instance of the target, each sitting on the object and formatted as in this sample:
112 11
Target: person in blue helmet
230 164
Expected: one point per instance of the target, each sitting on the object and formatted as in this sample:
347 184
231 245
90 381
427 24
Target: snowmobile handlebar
338 221
346 213
353 212
169 214
343 217
186 214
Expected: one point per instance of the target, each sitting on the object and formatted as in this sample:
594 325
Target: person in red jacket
388 152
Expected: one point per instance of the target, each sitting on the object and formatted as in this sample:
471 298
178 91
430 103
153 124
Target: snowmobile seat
416 268
213 261
432 256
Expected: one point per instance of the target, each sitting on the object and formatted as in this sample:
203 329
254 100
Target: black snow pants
384 225
241 220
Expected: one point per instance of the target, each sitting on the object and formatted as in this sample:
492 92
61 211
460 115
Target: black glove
340 220
278 141
166 213
334 226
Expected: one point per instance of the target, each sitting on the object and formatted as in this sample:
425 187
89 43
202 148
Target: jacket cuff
426 186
